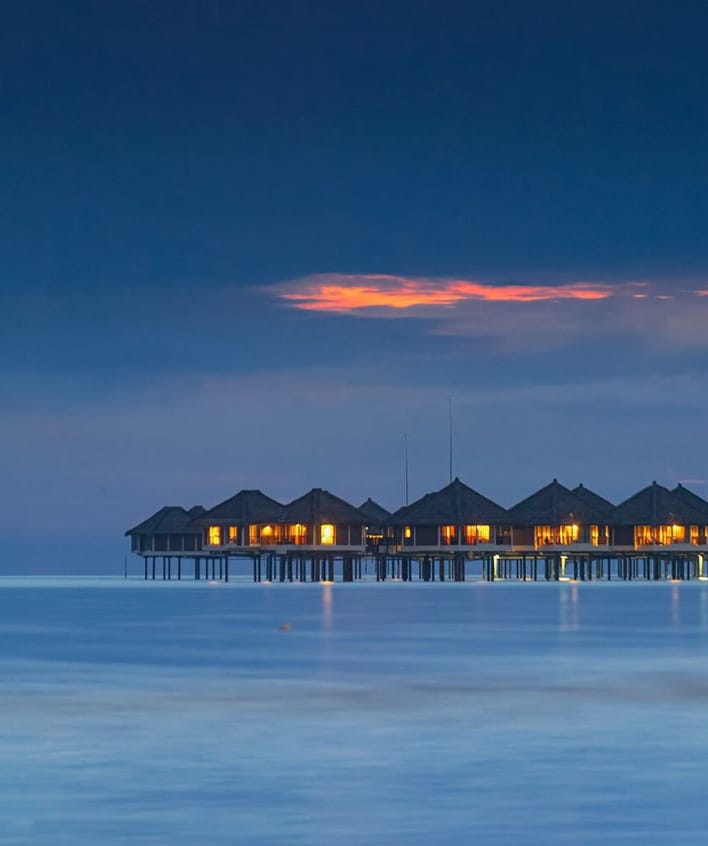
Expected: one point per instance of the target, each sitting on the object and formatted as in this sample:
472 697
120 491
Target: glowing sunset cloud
348 293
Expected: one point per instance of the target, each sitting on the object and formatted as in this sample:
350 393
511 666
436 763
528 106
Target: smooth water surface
182 713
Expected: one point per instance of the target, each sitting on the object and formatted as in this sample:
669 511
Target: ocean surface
507 713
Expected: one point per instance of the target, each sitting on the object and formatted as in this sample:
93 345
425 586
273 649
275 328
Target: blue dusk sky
252 244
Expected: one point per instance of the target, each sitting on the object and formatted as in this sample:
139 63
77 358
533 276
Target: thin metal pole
405 464
450 422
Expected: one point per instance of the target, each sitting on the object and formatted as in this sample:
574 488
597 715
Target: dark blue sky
174 173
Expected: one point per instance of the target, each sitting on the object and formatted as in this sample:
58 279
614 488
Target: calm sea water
136 713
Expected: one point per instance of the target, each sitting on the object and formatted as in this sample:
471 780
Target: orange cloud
348 293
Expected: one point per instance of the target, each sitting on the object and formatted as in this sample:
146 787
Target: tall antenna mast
449 407
405 465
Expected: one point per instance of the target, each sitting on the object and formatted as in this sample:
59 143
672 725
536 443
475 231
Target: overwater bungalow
377 517
456 518
656 517
321 520
247 519
556 518
555 533
168 531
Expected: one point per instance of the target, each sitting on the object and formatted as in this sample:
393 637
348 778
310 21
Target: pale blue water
136 713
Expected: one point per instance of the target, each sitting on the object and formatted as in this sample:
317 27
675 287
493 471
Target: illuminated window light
297 533
327 533
477 534
448 534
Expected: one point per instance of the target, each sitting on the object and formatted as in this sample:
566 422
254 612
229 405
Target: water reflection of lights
569 607
327 595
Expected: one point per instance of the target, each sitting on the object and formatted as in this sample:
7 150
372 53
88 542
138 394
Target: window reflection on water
569 612
327 605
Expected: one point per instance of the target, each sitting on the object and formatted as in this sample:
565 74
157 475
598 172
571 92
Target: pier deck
439 565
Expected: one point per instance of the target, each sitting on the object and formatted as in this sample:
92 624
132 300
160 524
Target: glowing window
544 535
594 535
327 533
448 534
297 533
407 533
678 534
233 534
568 533
694 535
670 534
214 535
270 534
477 534
644 536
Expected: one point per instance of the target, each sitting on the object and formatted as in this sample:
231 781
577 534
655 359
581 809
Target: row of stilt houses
452 534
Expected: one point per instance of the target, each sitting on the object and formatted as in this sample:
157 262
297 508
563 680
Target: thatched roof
320 506
376 514
655 505
692 499
248 506
593 499
170 520
554 505
455 505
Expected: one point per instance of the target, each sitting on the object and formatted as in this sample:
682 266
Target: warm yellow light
327 533
233 534
544 535
477 534
678 533
214 535
267 531
448 534
567 534
297 533
407 532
